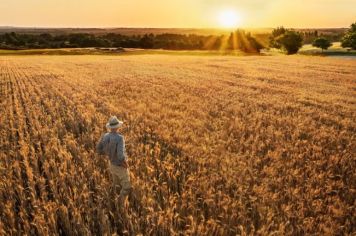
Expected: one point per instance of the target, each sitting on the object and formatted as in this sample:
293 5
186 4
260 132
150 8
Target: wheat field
217 145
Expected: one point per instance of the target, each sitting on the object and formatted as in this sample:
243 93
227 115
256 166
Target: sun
229 18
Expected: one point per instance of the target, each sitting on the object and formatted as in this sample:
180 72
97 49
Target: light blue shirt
112 145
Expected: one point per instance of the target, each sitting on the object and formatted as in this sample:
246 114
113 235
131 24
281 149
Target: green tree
349 39
290 41
322 43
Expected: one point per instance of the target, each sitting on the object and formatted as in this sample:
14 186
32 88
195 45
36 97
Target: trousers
121 177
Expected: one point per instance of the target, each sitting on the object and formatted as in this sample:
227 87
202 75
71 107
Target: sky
177 13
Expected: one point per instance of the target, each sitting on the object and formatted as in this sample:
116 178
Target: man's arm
100 146
121 152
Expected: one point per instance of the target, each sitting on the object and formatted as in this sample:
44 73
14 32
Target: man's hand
124 164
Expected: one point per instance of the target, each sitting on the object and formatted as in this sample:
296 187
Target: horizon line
145 27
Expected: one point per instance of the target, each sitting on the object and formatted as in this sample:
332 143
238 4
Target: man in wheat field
112 144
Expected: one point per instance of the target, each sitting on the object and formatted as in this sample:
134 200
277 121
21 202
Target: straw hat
114 123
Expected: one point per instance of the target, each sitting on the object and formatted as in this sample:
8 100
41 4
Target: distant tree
275 34
244 41
322 43
349 39
255 45
46 36
288 40
13 39
147 41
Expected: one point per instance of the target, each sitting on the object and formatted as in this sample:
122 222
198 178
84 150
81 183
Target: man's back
112 144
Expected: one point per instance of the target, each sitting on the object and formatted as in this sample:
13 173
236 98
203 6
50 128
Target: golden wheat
216 145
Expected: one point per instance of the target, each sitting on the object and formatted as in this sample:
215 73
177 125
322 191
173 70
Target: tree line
287 40
239 40
291 41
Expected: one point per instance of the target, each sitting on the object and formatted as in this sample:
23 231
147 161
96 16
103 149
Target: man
112 144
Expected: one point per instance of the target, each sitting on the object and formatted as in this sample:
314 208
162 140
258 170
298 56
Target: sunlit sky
177 13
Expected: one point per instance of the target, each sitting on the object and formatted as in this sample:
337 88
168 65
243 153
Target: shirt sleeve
121 152
100 146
